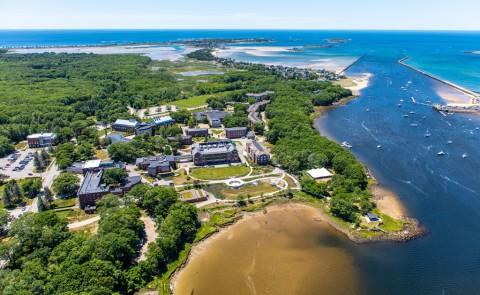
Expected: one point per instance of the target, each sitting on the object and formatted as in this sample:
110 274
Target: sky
242 14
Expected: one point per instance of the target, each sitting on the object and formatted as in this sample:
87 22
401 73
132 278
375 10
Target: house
92 188
320 174
163 121
156 164
260 96
236 132
197 132
181 139
372 217
145 128
214 117
258 153
122 125
214 152
41 140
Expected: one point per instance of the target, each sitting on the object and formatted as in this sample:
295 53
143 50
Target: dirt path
150 235
83 223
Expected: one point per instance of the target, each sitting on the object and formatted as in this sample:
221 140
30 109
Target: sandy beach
454 96
388 202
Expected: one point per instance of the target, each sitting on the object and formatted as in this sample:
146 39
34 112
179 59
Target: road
50 174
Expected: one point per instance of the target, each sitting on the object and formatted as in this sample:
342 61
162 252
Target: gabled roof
319 173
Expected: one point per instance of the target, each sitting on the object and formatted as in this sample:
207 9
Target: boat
405 116
412 113
414 125
401 100
379 146
399 105
464 156
449 142
441 153
428 134
345 144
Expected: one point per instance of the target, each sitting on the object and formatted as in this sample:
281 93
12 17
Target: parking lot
18 165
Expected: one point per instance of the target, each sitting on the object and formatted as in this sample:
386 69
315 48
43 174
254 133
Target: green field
225 192
219 173
192 102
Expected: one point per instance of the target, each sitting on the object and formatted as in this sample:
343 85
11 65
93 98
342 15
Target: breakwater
474 96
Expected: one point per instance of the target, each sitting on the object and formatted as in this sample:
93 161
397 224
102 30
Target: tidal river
289 252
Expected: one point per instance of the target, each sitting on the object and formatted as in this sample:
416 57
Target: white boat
411 113
399 105
405 116
414 125
464 156
449 142
428 134
441 153
379 146
345 144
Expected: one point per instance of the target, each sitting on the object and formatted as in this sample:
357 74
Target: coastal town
220 150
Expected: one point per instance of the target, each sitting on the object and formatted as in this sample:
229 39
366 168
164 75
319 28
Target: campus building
197 132
145 128
181 139
236 132
163 121
93 188
122 125
214 152
156 164
94 165
41 140
214 117
257 153
260 96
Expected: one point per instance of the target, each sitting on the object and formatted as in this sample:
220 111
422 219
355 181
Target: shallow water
286 251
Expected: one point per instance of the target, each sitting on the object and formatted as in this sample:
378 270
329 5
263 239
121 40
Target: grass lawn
64 203
389 224
181 178
258 170
192 102
73 215
225 192
220 173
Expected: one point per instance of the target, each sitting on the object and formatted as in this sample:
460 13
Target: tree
66 185
4 215
31 187
107 202
344 209
12 196
114 176
122 151
258 128
65 154
5 146
157 201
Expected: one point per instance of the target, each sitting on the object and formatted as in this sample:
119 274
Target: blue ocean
387 129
